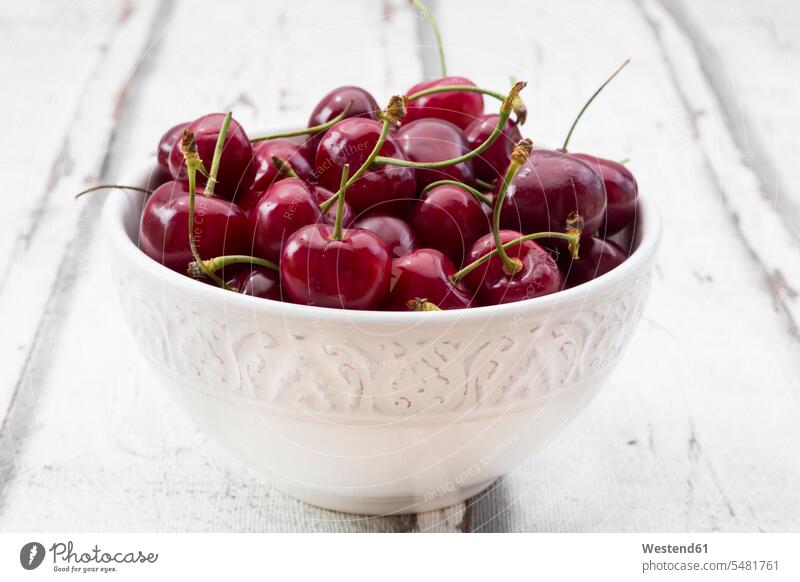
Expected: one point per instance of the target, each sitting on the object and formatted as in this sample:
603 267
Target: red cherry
236 168
436 140
425 274
321 195
258 282
360 101
395 233
351 273
169 140
539 274
266 172
449 219
621 192
220 227
458 107
597 257
548 188
283 209
492 163
351 141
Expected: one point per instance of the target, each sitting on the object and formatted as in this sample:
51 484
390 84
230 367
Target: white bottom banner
389 557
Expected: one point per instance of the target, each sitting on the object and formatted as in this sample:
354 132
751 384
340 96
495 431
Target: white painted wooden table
699 428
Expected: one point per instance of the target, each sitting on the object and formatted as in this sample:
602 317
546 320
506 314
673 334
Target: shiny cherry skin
321 195
547 189
387 188
436 140
351 273
491 164
169 141
622 192
287 206
458 107
395 233
425 274
539 275
236 167
363 105
266 172
220 227
597 257
449 219
258 282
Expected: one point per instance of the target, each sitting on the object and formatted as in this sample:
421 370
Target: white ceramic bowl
376 412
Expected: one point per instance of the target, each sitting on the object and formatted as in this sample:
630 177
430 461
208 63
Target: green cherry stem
108 186
306 130
517 106
220 145
477 194
518 157
505 111
337 225
589 102
572 239
392 115
217 263
425 13
489 186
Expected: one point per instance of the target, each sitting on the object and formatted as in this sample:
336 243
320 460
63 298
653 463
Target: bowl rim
120 202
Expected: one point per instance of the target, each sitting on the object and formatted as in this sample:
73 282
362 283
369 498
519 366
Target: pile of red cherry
427 204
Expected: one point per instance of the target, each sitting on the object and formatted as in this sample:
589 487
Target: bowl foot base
381 505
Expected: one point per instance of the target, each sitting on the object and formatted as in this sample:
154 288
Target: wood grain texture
696 430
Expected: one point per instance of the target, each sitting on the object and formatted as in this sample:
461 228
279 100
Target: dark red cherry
597 257
169 141
449 219
425 274
283 209
321 195
395 233
220 227
236 167
458 107
362 104
258 282
547 189
539 274
351 273
435 140
621 192
351 141
266 172
491 164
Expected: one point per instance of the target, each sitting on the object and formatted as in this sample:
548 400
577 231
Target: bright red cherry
538 276
236 168
220 227
350 273
395 233
266 171
458 107
351 141
435 140
361 104
169 140
597 257
449 219
258 282
548 188
321 195
622 192
425 274
492 163
283 209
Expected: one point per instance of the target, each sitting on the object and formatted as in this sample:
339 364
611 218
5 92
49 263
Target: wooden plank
696 430
92 443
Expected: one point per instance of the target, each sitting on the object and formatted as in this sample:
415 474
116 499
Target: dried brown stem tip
418 304
522 151
284 168
512 99
396 109
190 154
575 228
